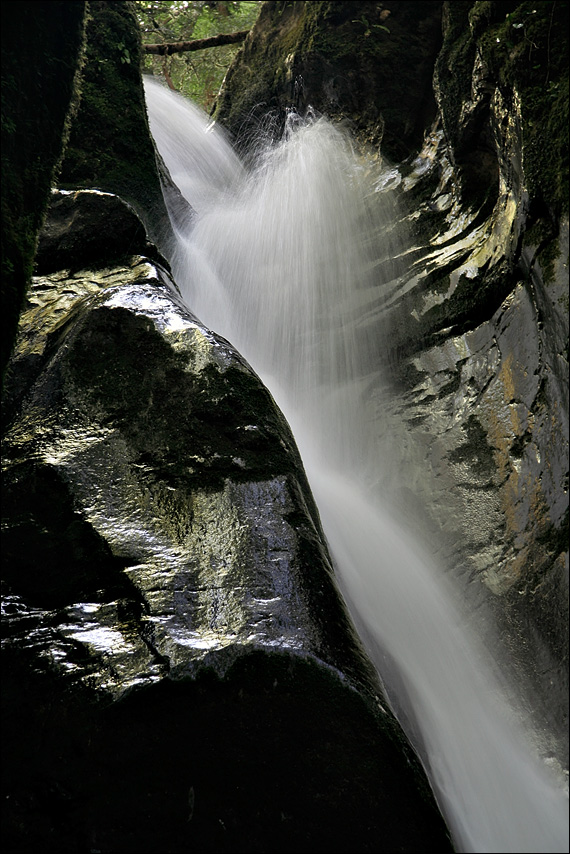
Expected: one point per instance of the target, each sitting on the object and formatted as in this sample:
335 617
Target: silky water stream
281 260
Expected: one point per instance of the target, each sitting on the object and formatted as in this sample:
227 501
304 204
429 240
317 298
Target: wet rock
179 669
472 332
109 145
488 398
477 334
72 237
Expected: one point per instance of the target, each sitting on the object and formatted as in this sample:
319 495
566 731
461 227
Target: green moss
454 68
523 49
110 146
542 236
547 256
538 233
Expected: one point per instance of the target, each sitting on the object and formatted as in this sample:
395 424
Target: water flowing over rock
472 327
298 261
182 672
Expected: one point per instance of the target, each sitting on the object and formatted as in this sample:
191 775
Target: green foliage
197 75
368 28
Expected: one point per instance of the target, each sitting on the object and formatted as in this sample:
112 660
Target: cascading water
281 261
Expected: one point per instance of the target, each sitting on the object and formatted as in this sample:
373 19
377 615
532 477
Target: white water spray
281 263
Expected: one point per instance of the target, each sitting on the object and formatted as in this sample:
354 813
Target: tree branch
197 44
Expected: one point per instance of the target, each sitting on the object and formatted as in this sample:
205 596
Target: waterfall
283 260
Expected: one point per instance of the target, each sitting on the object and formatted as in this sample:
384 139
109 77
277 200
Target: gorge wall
174 633
42 54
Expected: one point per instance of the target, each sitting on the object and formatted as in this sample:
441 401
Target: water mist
282 260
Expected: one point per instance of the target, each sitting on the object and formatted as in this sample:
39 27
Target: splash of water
282 261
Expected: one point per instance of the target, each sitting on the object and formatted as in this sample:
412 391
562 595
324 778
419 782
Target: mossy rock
110 147
521 50
367 63
42 47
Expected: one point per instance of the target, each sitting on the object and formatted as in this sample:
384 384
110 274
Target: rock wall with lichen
473 331
479 345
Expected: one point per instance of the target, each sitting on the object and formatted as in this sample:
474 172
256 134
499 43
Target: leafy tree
197 74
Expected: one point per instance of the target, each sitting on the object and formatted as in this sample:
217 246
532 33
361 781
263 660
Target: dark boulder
179 670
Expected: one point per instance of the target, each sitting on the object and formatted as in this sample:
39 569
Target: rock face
180 673
478 332
42 52
72 238
473 331
343 59
109 146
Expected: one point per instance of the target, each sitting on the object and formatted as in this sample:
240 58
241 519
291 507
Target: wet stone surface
180 671
476 334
